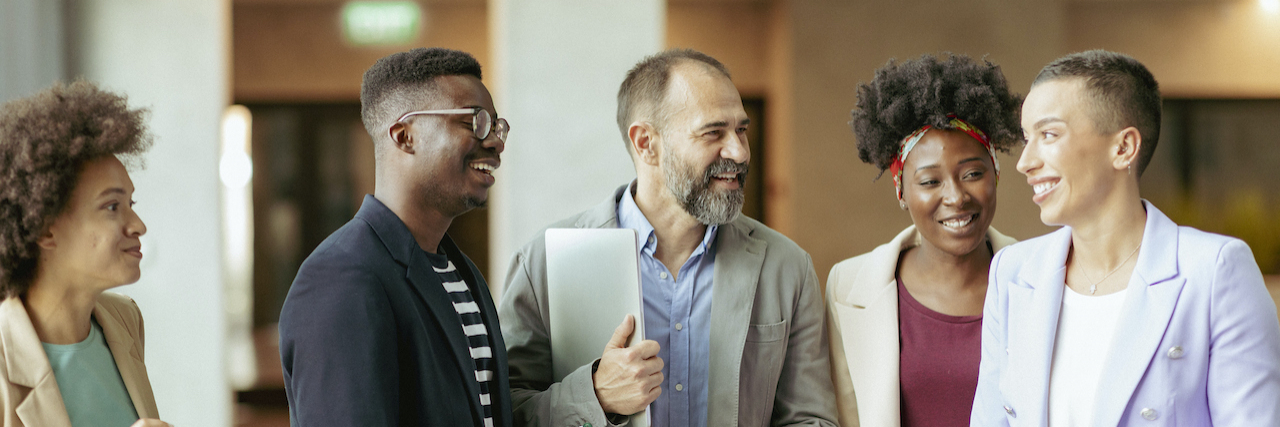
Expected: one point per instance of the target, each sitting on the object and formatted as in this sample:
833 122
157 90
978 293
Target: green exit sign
381 22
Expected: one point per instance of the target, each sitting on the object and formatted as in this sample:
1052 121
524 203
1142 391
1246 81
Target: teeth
959 222
726 176
483 167
1043 187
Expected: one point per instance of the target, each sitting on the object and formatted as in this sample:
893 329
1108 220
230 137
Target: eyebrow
114 190
722 123
934 166
1048 120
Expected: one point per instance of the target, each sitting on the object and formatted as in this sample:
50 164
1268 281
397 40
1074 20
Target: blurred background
260 152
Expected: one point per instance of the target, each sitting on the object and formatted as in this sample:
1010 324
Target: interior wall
1196 49
31 45
282 54
172 58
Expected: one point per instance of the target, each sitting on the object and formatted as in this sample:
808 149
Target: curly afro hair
45 140
905 96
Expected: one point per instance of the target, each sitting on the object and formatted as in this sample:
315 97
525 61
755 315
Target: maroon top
938 363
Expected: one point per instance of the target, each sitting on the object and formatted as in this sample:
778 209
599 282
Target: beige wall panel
295 51
735 33
1195 49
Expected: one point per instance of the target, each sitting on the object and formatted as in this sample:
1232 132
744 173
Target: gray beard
694 192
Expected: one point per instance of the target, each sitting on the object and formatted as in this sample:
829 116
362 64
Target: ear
46 240
1128 144
643 137
400 139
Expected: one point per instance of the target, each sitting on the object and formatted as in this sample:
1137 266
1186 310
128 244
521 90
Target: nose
736 148
953 193
494 143
1030 159
134 227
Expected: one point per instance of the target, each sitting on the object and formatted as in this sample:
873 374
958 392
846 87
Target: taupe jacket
862 303
769 357
29 394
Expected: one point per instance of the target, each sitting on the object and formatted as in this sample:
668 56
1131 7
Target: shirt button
679 327
1149 414
652 239
1175 352
680 387
662 275
1009 411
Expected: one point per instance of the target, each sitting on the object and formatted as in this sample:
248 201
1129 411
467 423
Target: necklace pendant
1093 289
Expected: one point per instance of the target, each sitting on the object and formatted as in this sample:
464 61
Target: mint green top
91 386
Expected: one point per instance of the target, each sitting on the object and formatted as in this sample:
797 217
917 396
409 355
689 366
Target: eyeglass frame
496 122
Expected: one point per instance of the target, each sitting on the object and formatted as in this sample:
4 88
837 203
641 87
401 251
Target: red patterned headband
910 141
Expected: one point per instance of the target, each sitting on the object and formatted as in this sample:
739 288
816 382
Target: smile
959 223
484 168
1043 187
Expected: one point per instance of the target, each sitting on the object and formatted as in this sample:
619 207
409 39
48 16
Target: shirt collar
630 216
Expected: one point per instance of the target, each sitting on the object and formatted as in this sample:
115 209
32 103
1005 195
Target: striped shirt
473 325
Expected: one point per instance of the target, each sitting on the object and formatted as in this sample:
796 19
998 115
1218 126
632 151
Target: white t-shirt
1085 330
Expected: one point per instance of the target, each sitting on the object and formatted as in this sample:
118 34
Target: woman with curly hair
70 353
906 318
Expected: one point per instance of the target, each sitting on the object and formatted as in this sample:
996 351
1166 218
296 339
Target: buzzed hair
1120 91
644 91
391 84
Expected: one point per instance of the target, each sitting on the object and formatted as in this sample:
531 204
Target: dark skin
949 188
431 168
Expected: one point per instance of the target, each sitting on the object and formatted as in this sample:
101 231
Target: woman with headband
1120 317
906 319
71 354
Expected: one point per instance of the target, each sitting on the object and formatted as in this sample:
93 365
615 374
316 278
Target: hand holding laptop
628 378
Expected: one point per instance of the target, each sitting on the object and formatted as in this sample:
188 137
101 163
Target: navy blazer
369 336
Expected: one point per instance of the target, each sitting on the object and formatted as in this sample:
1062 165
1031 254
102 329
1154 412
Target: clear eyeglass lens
502 129
483 121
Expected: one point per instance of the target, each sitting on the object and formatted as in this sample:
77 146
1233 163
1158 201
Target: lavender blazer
1197 344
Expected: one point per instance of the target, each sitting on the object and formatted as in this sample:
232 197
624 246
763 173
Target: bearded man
732 311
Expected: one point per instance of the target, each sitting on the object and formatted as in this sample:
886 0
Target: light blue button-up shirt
677 314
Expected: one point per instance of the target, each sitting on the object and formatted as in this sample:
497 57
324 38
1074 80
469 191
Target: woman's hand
150 422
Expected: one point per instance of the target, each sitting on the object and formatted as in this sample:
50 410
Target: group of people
1120 317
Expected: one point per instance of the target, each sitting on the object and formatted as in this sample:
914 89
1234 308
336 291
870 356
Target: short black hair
1121 92
905 96
384 94
644 89
45 141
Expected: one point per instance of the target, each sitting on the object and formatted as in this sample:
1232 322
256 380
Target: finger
621 333
647 349
653 394
654 365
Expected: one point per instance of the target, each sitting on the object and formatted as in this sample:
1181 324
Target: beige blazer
862 318
769 359
29 394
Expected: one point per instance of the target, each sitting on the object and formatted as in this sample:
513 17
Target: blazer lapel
1035 301
27 366
739 259
128 361
1152 296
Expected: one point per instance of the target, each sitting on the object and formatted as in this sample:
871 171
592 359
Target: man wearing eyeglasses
387 322
733 317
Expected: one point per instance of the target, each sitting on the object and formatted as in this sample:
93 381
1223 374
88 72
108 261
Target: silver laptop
593 283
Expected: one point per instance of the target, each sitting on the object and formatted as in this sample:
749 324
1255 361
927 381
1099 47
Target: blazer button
1175 352
1009 411
1149 414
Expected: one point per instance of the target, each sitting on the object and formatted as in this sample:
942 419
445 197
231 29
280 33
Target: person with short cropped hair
906 318
388 323
732 309
1121 317
71 354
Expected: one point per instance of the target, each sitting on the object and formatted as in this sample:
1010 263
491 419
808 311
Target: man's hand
150 422
628 378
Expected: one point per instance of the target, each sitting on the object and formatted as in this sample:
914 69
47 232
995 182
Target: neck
953 270
1107 237
60 311
426 224
678 232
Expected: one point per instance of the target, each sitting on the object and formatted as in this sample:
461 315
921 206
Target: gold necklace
1093 289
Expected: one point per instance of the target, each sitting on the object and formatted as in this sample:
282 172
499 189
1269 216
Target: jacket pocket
762 357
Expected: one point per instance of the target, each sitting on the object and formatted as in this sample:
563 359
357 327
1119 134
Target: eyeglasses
482 124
